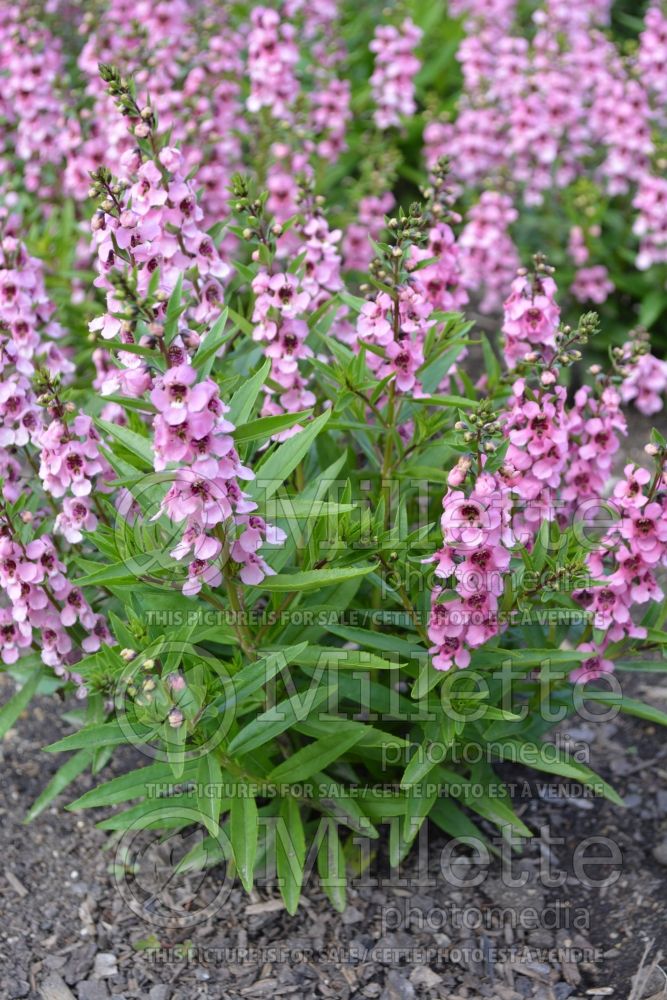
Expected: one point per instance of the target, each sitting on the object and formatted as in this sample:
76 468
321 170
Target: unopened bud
652 450
176 682
128 654
175 718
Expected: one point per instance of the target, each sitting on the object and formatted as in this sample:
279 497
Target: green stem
242 634
388 450
407 604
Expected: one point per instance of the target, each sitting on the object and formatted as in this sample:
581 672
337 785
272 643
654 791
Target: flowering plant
274 510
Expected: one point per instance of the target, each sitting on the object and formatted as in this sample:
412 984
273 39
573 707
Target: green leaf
629 705
173 311
263 428
459 401
104 734
652 307
315 757
420 765
135 443
290 853
454 822
11 710
63 777
314 579
243 400
277 719
140 783
255 675
553 760
280 464
335 800
335 658
242 322
376 640
168 813
244 830
301 508
331 865
210 345
419 802
116 573
209 783
486 803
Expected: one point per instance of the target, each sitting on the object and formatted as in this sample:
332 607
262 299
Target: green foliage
303 693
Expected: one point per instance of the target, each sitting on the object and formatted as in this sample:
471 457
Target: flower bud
175 718
176 682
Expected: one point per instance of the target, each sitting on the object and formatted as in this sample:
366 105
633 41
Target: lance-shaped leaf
290 853
244 831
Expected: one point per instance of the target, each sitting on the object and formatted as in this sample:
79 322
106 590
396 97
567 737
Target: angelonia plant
277 510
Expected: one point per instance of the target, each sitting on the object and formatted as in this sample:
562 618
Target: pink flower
373 320
531 317
75 518
396 66
646 385
177 398
593 667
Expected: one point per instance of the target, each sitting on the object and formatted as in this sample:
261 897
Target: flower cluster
28 340
280 303
520 118
531 317
396 66
193 436
646 385
272 57
477 537
33 109
630 554
43 605
153 228
489 257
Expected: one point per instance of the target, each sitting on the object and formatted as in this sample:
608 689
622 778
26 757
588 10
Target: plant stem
242 634
407 604
388 451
